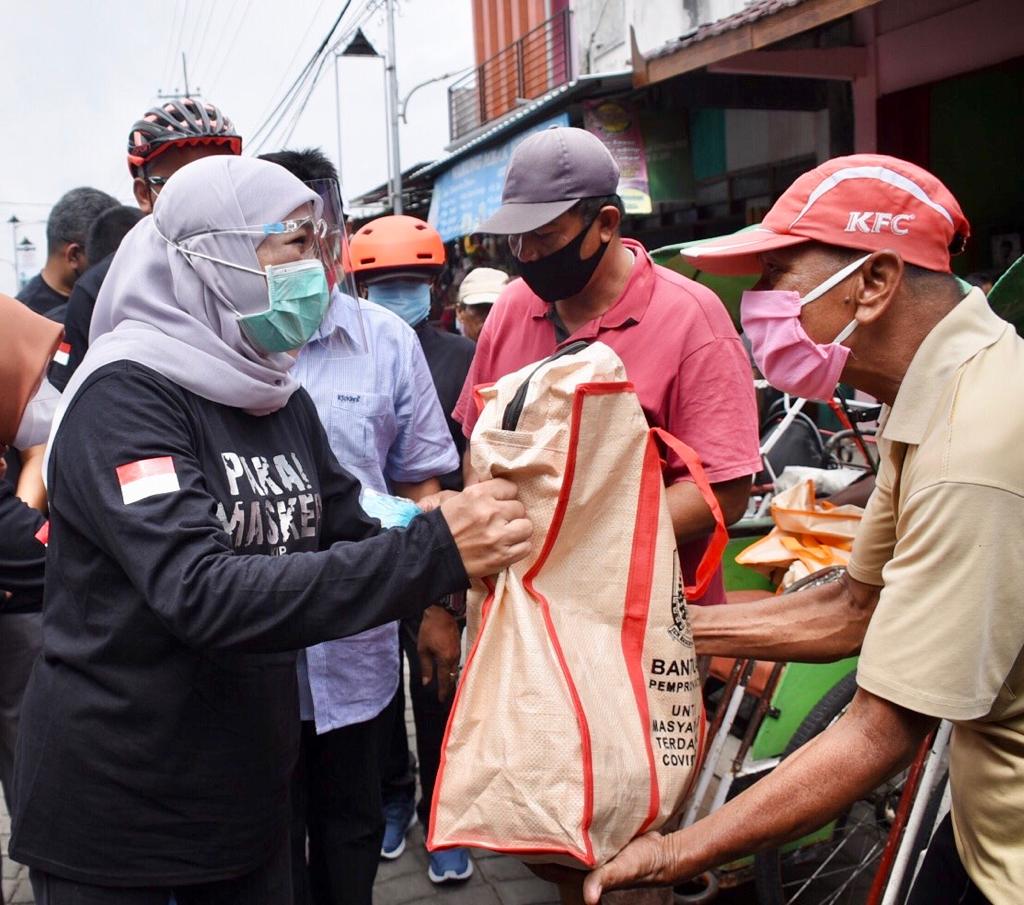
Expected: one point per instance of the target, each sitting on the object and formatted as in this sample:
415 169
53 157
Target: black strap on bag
514 410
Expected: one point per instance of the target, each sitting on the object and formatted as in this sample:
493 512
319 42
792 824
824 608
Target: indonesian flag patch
63 354
43 534
147 477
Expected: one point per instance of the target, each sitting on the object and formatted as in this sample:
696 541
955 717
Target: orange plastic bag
808 535
578 721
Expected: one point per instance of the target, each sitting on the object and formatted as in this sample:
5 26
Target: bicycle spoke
854 869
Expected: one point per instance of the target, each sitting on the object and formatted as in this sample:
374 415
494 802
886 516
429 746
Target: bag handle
712 557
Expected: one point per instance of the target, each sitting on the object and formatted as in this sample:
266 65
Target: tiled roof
758 9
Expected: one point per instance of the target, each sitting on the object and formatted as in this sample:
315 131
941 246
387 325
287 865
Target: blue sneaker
399 818
450 865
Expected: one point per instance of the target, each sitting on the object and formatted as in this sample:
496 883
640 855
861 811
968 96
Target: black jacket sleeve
22 557
77 320
174 550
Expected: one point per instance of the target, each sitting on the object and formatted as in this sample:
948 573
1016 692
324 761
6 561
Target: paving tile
529 891
503 868
464 895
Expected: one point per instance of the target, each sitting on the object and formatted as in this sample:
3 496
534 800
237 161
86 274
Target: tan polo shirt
944 536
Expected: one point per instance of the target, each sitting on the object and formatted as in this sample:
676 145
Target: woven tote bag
578 721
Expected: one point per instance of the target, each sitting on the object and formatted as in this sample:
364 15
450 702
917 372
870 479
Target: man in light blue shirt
386 427
367 376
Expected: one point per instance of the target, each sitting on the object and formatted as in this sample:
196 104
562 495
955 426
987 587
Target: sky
75 76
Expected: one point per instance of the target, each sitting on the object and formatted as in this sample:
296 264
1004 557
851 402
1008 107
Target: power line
267 117
169 56
267 128
207 31
298 50
176 44
310 86
200 30
242 19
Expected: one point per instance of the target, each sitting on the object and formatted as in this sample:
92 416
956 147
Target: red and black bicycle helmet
179 123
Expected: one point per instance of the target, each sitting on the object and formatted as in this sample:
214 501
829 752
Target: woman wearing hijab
28 342
201 532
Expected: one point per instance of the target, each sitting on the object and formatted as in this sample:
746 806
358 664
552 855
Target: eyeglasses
314 228
156 183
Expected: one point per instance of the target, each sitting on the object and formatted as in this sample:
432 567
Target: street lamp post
14 221
359 46
392 79
25 251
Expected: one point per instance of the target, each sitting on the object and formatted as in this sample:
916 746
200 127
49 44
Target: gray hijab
177 314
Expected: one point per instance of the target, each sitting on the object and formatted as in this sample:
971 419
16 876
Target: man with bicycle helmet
159 144
396 260
856 285
171 135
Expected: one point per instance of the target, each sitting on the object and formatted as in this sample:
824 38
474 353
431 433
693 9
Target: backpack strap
720 536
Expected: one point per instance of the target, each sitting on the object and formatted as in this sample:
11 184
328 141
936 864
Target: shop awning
758 25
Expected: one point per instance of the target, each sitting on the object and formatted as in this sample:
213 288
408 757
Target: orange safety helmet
394 244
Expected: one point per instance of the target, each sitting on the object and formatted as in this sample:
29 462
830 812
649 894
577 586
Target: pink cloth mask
789 359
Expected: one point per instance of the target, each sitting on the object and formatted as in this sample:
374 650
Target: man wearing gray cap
582 281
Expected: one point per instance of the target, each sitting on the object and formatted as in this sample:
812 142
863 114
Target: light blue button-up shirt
378 404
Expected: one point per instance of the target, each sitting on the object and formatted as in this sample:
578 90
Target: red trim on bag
485 610
586 858
712 557
638 605
582 391
478 399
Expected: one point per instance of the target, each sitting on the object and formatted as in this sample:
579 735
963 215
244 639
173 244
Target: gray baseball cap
548 173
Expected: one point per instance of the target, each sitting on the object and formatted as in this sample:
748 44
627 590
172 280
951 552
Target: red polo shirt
681 352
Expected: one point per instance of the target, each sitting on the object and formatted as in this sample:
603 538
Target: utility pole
393 111
176 95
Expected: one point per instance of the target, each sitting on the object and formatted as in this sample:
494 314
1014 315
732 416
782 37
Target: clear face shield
308 275
338 265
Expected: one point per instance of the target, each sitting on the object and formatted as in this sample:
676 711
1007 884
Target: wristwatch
454 604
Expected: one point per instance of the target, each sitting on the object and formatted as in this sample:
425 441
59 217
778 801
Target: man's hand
644 862
874 740
433 501
489 526
3 462
439 642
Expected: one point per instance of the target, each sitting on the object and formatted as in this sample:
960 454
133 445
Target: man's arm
691 517
818 625
417 491
439 640
818 783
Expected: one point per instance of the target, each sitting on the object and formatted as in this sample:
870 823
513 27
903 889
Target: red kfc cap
864 201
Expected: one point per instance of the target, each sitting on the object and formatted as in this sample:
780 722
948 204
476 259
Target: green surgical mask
298 293
299 299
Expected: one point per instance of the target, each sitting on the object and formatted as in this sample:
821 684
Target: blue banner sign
471 190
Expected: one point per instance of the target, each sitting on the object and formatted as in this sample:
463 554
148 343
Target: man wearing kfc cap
856 285
582 281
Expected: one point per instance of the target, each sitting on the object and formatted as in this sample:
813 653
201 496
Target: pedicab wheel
837 863
701 890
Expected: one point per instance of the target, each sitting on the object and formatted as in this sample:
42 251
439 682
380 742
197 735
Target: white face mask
37 417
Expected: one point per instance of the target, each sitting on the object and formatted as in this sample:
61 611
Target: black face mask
563 273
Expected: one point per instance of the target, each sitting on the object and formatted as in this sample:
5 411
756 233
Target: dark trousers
270 884
20 640
336 801
430 716
942 879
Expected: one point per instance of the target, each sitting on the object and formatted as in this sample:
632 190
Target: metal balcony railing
529 67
